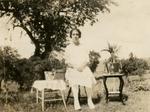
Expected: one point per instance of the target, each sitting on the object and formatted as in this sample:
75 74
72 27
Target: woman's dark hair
77 31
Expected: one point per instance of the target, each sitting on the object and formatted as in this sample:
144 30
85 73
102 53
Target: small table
120 92
43 85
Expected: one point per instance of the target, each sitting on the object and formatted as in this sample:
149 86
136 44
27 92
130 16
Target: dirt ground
137 93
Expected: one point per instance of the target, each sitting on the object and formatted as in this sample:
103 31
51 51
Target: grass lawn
138 92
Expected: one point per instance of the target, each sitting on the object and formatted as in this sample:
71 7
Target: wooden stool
51 86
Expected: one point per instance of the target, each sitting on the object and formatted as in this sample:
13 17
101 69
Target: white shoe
77 106
90 104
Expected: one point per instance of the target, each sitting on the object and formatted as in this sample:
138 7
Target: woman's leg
89 98
75 91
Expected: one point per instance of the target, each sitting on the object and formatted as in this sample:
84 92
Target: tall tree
47 22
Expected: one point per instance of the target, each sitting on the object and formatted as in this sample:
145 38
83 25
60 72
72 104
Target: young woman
78 72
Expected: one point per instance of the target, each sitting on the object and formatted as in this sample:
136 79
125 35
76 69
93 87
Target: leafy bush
134 66
94 60
33 69
8 58
30 70
56 60
25 71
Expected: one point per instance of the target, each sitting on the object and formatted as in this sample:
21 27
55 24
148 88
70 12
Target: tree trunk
48 47
45 54
37 51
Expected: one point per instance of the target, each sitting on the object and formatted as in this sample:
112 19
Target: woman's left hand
80 69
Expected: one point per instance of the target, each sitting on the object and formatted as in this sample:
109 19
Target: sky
127 25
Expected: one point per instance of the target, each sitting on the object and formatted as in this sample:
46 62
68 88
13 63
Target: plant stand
120 92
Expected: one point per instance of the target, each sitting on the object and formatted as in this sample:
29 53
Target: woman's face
75 37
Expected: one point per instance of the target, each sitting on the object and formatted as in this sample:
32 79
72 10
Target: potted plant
112 64
57 64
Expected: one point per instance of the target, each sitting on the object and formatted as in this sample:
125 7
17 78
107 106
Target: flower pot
49 75
60 74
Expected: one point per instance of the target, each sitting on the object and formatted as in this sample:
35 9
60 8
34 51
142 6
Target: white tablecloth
49 84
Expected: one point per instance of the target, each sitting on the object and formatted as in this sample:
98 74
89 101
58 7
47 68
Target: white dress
78 56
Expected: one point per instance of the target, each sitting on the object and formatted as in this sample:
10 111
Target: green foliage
30 70
94 60
47 22
25 71
111 48
33 69
8 58
134 66
56 60
112 64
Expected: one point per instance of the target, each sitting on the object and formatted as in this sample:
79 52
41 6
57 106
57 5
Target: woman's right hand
80 69
69 65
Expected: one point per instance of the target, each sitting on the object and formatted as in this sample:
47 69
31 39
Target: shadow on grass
96 100
116 98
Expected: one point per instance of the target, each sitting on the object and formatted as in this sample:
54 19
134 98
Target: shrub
25 71
135 66
56 63
30 70
33 69
8 58
94 60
